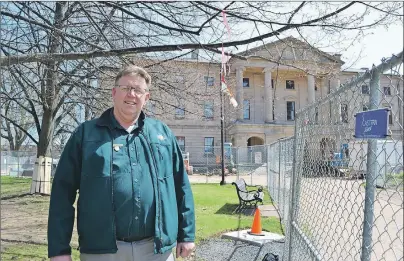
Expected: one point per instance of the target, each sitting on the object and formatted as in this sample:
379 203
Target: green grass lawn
31 252
393 182
214 205
11 186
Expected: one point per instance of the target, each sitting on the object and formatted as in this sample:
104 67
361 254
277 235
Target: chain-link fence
280 167
204 162
21 163
249 163
346 194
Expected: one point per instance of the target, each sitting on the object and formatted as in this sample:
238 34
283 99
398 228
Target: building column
311 90
239 92
267 95
334 83
334 114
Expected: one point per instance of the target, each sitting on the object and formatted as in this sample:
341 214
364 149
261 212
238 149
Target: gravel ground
217 249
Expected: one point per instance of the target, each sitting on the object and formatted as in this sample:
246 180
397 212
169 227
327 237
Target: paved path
253 179
331 214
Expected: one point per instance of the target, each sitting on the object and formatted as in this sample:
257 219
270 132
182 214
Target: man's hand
184 249
61 258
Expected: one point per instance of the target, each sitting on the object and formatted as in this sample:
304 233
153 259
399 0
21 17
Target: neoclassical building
270 84
274 82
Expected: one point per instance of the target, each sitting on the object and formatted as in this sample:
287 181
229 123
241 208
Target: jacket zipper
158 187
112 184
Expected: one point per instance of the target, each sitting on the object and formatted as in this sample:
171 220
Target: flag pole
222 182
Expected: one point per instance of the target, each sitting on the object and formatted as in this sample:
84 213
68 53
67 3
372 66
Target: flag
226 90
223 84
233 102
226 23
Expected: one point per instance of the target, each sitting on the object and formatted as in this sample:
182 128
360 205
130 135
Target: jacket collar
105 120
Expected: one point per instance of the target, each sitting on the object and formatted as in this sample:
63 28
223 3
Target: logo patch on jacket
117 146
160 137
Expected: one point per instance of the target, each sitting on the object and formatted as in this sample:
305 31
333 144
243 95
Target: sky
381 44
377 43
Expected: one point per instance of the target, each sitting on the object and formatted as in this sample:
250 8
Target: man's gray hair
134 70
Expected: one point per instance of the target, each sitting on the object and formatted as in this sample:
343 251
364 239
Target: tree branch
149 21
6 61
30 21
21 128
295 12
380 10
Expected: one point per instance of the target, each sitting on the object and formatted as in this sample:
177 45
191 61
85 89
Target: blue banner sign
372 124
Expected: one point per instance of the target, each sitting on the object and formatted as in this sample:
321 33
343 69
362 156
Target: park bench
247 197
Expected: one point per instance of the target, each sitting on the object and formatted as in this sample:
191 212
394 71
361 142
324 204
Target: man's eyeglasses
128 89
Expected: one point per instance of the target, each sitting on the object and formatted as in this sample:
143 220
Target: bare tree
17 124
16 133
51 49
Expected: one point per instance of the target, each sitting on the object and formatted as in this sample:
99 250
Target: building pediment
290 51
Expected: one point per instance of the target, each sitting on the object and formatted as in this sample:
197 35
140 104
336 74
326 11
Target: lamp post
222 182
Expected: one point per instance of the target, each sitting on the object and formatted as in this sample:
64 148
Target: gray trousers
135 251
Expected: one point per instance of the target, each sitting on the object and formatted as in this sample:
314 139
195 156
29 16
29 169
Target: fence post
268 146
207 167
251 166
271 163
371 173
292 198
284 181
18 163
279 173
238 162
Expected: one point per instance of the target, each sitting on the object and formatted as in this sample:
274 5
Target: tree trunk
41 177
19 140
46 136
42 170
11 142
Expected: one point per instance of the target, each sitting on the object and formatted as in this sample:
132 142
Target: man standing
135 201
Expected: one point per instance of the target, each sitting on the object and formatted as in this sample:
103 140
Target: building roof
290 39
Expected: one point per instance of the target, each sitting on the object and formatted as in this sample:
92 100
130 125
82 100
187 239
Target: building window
387 90
180 112
365 89
209 144
290 110
290 85
246 109
208 110
181 142
246 82
344 113
272 83
210 81
315 87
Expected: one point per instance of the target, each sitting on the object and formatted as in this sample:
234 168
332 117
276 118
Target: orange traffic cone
256 228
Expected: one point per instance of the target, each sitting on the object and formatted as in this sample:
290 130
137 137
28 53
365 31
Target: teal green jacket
86 166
